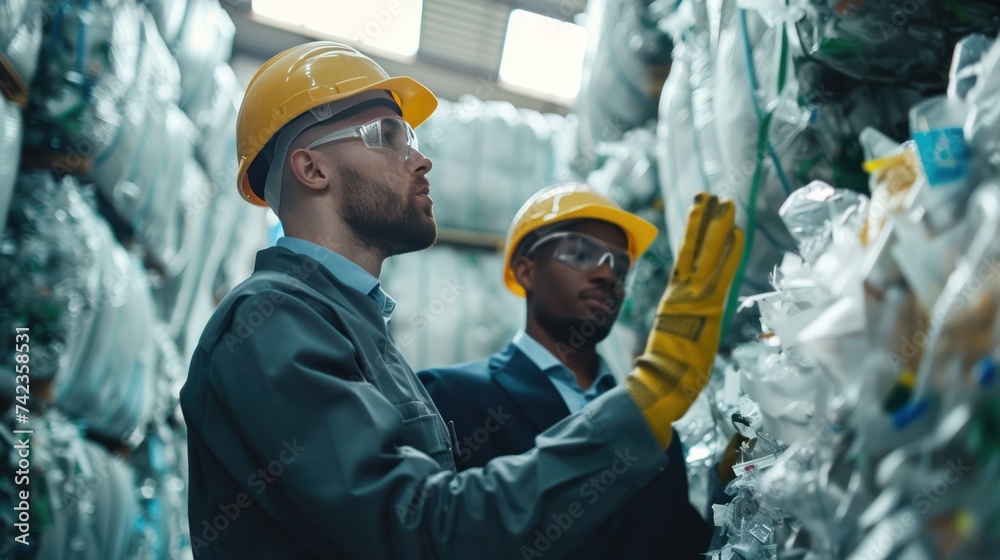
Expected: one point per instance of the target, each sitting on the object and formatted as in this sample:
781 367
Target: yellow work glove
681 348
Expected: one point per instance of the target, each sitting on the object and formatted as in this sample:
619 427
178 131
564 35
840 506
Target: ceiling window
543 54
388 25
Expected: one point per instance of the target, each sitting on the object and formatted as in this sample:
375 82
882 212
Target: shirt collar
547 362
345 270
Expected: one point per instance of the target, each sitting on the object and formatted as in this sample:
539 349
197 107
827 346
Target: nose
603 273
419 163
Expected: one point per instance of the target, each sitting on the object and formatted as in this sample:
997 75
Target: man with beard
309 435
567 253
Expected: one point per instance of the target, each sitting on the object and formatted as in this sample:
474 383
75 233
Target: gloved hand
681 348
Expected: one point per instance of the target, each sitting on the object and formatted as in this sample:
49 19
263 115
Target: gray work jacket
311 437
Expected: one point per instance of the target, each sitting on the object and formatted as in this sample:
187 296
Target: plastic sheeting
87 303
50 276
87 66
745 116
627 60
205 41
122 168
88 493
490 157
169 17
871 395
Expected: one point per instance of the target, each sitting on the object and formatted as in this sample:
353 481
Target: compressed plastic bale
626 63
85 71
90 495
123 168
20 42
159 75
173 293
110 390
892 43
50 275
164 235
115 159
675 150
205 40
11 133
160 500
217 124
226 210
168 15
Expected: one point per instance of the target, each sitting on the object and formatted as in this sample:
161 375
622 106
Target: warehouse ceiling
461 43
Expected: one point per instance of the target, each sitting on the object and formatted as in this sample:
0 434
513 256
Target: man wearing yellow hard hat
567 253
309 434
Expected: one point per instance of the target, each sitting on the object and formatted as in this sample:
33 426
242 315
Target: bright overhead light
388 25
543 54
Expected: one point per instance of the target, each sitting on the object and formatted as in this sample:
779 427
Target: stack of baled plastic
112 275
871 398
89 316
489 157
757 102
626 62
20 39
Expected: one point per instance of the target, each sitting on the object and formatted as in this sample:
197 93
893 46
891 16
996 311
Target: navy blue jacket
498 406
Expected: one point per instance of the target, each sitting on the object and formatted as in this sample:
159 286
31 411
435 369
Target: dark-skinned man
567 253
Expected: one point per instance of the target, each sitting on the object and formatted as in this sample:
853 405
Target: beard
383 218
576 332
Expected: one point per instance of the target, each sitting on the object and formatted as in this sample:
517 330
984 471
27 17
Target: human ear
309 169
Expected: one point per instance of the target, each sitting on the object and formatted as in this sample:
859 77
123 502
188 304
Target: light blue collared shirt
561 377
347 271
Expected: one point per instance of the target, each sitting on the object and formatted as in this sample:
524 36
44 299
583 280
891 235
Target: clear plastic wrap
963 320
86 69
169 16
175 284
816 213
217 124
89 493
50 277
111 390
122 169
627 60
205 40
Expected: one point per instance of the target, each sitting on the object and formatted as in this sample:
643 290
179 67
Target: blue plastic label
945 155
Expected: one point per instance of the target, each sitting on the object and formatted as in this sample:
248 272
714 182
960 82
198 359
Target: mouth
600 299
424 190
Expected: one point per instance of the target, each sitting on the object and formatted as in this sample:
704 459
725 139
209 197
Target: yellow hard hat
304 78
572 201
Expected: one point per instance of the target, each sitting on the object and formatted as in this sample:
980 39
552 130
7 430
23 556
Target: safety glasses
585 253
386 133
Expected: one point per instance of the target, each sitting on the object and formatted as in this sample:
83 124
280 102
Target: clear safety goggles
385 133
586 253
